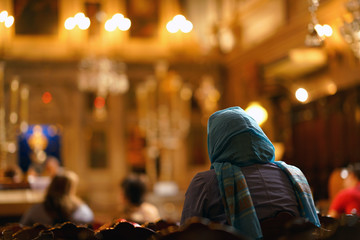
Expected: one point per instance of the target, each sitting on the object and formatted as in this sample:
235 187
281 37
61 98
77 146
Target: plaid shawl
302 191
235 140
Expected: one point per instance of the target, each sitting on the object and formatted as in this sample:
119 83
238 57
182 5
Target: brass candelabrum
11 124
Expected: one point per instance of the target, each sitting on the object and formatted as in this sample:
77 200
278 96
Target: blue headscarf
235 140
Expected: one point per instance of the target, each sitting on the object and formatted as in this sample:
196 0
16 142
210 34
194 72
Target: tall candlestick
2 119
13 117
13 120
24 108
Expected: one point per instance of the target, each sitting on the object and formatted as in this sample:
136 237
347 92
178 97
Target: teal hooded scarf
235 140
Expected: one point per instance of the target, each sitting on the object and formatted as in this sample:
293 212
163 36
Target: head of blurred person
353 177
60 199
48 168
52 166
135 208
133 189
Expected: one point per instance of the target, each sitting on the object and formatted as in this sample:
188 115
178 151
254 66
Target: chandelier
351 29
102 76
313 39
164 111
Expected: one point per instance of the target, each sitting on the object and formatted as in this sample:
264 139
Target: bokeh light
257 112
117 21
186 26
125 24
84 23
99 102
79 16
172 27
117 17
9 21
323 30
46 97
179 22
3 16
327 30
70 23
79 19
110 25
301 94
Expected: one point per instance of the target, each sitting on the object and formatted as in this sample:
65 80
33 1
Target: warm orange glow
6 19
99 102
46 97
256 111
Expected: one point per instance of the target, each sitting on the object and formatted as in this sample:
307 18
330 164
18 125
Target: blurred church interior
110 87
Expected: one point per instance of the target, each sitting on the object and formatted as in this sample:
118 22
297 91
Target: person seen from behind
61 204
134 207
245 185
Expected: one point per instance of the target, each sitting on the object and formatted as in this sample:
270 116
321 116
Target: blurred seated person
60 204
244 185
50 167
11 174
347 201
134 207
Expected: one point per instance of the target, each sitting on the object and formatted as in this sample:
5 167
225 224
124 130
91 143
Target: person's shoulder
37 207
207 173
346 191
202 180
83 214
84 207
292 168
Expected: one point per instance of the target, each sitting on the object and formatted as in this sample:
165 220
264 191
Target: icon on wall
38 143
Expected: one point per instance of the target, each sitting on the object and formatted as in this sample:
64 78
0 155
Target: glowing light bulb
186 26
78 17
344 173
124 24
257 112
179 19
172 27
84 23
118 17
301 94
110 25
327 30
319 29
70 23
9 21
3 16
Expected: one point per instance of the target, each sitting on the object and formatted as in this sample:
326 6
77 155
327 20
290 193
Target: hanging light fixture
103 77
351 29
313 39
